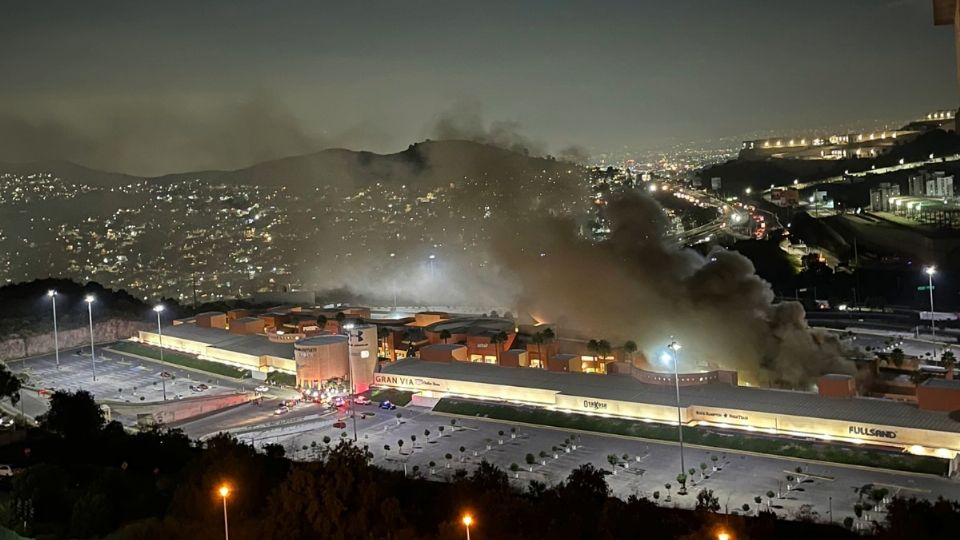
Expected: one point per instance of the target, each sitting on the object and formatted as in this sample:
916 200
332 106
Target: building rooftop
197 333
626 388
256 346
317 341
444 346
937 382
246 319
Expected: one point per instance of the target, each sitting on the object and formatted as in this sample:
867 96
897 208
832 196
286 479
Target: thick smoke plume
635 286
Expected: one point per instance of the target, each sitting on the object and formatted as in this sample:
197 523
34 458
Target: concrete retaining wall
15 346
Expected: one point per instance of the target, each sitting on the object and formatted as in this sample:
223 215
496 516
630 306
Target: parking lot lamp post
675 347
467 521
224 491
353 386
931 270
93 355
159 308
56 338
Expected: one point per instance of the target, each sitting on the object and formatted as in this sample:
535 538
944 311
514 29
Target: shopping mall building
706 399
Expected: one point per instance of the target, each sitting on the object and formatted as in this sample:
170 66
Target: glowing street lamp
56 339
467 521
353 386
89 299
163 380
723 536
432 258
931 270
666 357
224 491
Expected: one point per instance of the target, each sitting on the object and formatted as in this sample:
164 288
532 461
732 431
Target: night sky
151 87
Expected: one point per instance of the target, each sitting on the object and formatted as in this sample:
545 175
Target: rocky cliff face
15 346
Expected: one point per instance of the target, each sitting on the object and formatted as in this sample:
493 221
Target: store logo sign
873 432
596 405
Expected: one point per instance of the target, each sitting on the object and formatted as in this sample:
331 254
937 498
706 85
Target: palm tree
340 316
444 335
322 321
897 357
600 350
382 334
498 339
630 347
918 377
949 362
538 340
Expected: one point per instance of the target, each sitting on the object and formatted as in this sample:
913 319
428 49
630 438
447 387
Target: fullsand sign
872 432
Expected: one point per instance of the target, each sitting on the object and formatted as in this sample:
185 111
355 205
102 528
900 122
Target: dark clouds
155 137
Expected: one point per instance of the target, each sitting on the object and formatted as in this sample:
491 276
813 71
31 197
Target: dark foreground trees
91 480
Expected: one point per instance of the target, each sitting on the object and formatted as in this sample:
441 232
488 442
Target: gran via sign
872 432
400 380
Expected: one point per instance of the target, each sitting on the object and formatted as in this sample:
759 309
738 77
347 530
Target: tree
919 377
9 385
400 446
538 340
949 362
426 434
745 508
897 357
498 340
770 495
399 416
274 450
707 501
440 429
587 481
612 459
603 349
714 459
668 486
75 415
322 321
462 450
630 347
448 456
340 317
445 335
682 480
703 468
531 459
548 336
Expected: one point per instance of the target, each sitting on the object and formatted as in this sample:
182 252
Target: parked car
340 424
283 409
361 400
386 405
6 422
202 387
5 470
262 388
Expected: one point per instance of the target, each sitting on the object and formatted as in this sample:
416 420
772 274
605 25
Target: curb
698 446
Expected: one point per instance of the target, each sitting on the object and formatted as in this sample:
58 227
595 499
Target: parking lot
642 468
120 377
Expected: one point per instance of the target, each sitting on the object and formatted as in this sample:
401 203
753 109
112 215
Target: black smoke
637 286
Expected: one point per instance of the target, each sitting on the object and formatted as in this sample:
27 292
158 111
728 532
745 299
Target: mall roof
256 346
626 388
322 340
252 344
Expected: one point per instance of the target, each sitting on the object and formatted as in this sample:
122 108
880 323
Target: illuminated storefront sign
872 432
593 404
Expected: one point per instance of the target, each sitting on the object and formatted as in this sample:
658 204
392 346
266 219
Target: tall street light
224 491
353 386
163 380
931 270
467 521
432 272
93 355
56 338
675 347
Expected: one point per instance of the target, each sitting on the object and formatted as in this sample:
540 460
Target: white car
5 470
6 422
262 388
283 409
